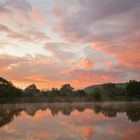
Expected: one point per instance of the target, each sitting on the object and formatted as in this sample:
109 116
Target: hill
91 88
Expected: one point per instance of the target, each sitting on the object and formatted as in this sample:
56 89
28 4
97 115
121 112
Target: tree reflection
9 112
133 113
7 115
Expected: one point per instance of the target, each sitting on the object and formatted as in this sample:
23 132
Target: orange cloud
19 36
39 115
87 63
47 73
131 133
127 54
111 130
2 16
44 134
87 117
88 132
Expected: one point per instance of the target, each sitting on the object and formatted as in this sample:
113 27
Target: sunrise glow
81 42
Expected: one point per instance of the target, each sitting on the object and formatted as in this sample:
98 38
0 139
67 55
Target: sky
81 42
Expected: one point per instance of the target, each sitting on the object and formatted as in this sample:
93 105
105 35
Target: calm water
70 121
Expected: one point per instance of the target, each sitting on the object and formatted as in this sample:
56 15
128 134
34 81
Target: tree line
108 91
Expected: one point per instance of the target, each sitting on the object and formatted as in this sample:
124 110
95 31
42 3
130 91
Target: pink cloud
114 31
87 63
39 115
38 16
44 134
130 133
118 38
88 132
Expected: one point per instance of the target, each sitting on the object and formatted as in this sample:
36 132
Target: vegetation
97 94
8 90
133 88
31 90
105 92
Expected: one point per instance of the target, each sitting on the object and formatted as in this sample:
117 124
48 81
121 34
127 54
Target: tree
7 89
133 88
31 90
97 94
80 93
109 90
66 89
54 92
109 86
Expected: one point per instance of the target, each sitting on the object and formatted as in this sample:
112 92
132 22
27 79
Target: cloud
3 28
44 134
98 76
95 20
85 119
22 13
87 41
49 72
15 7
131 133
7 60
62 51
19 36
113 27
125 49
38 35
14 35
38 116
88 132
39 69
10 6
87 63
29 36
38 16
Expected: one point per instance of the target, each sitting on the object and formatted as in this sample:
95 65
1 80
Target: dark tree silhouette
97 94
133 88
31 90
7 89
66 89
104 92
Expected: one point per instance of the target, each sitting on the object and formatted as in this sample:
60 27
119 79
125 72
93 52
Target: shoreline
62 100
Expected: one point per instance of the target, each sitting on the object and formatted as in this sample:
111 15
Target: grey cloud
12 8
38 35
20 4
112 26
32 35
62 51
88 20
4 10
4 28
7 60
14 35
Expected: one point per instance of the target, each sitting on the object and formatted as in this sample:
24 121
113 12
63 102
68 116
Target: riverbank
61 100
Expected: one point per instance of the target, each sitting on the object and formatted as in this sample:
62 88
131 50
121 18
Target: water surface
70 121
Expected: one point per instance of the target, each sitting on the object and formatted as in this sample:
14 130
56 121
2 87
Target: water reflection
70 121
